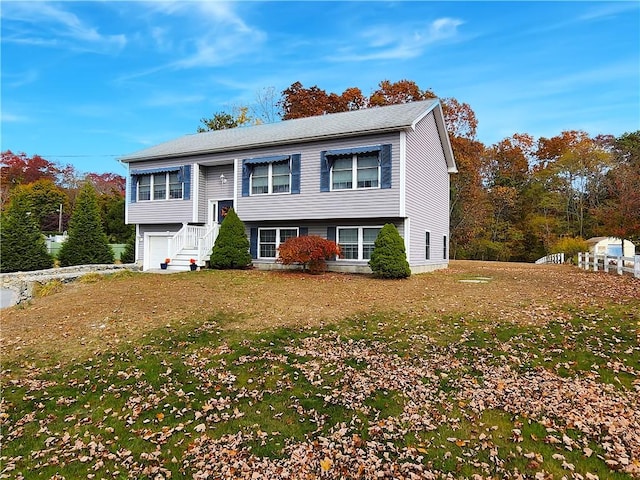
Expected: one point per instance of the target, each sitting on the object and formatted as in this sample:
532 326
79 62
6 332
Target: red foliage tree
310 251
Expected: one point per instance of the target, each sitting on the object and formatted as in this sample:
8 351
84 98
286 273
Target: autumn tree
87 243
23 246
45 198
19 169
402 91
310 251
224 120
619 214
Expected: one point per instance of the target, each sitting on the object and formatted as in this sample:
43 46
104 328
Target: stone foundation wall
22 282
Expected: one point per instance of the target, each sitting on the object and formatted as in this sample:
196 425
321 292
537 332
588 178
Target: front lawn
428 377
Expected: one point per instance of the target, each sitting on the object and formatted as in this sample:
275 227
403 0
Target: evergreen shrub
389 257
231 249
22 245
87 243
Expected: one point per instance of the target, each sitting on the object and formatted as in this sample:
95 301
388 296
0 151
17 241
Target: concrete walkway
8 298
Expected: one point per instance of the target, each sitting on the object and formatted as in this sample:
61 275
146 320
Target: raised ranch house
341 176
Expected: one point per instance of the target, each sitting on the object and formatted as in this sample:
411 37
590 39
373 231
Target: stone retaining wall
22 282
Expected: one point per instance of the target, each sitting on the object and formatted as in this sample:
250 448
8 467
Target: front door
217 210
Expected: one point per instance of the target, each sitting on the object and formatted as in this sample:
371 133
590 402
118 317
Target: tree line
516 200
39 197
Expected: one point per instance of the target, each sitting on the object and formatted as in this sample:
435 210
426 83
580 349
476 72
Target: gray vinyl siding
158 228
427 192
159 211
216 190
311 203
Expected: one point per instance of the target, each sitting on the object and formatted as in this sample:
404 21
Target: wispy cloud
6 117
14 80
209 34
386 42
49 25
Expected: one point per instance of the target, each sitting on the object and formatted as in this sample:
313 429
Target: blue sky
86 82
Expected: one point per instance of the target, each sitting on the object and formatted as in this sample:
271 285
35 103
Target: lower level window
269 240
356 243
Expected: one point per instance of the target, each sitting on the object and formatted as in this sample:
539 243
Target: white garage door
157 247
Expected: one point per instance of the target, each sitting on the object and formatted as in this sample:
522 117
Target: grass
408 389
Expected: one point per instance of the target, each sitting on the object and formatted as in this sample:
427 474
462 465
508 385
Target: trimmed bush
310 251
570 246
231 249
23 247
87 243
389 257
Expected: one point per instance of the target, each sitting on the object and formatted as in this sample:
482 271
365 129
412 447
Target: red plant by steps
310 251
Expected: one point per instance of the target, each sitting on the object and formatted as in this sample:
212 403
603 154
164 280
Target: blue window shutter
133 186
253 242
325 170
331 233
186 182
385 166
295 173
246 175
303 231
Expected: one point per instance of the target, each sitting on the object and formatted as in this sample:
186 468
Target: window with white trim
427 245
270 239
159 186
274 177
357 243
365 167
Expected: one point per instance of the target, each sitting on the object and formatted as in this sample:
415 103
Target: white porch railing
608 263
552 258
206 242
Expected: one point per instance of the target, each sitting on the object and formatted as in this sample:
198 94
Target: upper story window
271 178
364 168
269 175
161 184
356 168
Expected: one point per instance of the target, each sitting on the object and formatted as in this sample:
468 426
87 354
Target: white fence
610 263
552 258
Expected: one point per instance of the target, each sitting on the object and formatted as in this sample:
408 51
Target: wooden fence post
595 262
636 266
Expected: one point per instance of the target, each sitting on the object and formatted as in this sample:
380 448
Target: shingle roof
371 120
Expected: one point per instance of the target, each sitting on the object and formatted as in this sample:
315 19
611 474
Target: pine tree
22 245
231 249
87 243
389 257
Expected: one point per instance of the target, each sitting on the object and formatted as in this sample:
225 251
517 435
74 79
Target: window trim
354 172
360 241
277 243
445 247
152 184
270 178
427 244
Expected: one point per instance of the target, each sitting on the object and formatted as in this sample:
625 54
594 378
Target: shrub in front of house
231 249
23 245
87 243
310 251
389 256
